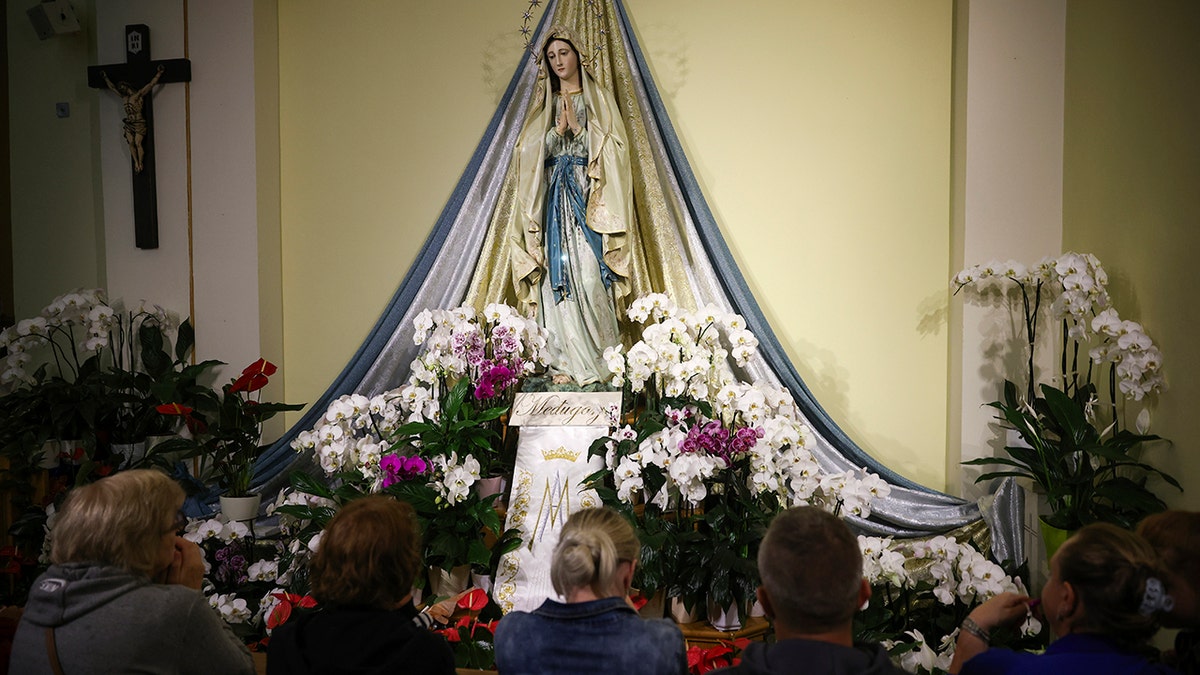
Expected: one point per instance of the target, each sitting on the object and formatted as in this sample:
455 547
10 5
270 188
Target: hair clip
1155 598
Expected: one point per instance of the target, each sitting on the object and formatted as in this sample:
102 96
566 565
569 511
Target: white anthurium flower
314 542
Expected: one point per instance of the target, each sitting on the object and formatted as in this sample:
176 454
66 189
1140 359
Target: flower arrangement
250 582
472 634
92 371
725 653
714 458
227 429
922 589
431 440
1077 448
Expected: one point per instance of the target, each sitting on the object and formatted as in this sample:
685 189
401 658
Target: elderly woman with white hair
123 592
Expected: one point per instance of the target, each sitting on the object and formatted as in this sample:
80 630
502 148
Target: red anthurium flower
639 601
262 366
173 409
450 634
279 615
474 600
254 377
283 611
103 469
694 656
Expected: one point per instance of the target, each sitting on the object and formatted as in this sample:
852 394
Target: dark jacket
598 636
811 656
107 620
358 641
1075 653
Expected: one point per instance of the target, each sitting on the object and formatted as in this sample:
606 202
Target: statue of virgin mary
569 229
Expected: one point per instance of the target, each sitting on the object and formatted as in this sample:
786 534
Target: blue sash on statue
562 182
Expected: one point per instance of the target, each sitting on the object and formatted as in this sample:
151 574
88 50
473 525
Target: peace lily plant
1076 443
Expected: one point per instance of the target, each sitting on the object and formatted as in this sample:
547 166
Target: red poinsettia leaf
173 409
279 615
474 600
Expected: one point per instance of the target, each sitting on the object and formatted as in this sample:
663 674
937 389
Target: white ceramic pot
680 613
446 584
241 508
728 619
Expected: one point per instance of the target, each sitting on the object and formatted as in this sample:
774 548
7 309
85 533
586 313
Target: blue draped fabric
562 184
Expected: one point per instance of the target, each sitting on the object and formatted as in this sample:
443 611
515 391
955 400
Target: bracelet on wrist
969 625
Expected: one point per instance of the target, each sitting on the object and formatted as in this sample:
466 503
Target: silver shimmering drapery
440 276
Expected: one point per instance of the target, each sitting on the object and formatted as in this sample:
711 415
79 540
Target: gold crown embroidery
560 453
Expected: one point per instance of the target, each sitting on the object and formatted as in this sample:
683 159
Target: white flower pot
50 450
728 619
130 452
445 584
680 613
654 608
756 609
486 487
241 508
483 581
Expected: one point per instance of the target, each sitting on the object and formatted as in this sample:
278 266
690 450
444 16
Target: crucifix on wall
134 82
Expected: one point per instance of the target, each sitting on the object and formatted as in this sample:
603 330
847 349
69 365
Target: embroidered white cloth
551 464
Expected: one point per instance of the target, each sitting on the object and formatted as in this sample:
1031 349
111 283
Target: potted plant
709 459
1075 445
227 430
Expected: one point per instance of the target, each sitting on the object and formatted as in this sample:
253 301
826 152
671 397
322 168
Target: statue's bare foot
562 378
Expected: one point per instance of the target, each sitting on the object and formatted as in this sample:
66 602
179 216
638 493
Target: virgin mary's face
562 59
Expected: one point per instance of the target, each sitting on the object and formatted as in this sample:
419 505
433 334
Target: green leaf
307 484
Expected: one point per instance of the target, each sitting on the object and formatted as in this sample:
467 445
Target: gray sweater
107 620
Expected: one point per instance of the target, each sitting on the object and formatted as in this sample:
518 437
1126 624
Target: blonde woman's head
591 549
126 520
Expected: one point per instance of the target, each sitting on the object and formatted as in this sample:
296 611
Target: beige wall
819 132
1132 167
58 238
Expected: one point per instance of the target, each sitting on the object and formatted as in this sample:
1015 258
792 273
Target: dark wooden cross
134 82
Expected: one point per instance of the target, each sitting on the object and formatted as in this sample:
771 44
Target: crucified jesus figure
134 124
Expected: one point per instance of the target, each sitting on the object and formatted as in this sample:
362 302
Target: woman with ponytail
594 629
1104 600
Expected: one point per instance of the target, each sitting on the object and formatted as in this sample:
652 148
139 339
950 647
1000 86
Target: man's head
811 570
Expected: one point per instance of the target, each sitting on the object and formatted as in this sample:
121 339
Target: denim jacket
598 636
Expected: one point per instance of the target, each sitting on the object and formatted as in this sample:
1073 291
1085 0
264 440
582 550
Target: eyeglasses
180 523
